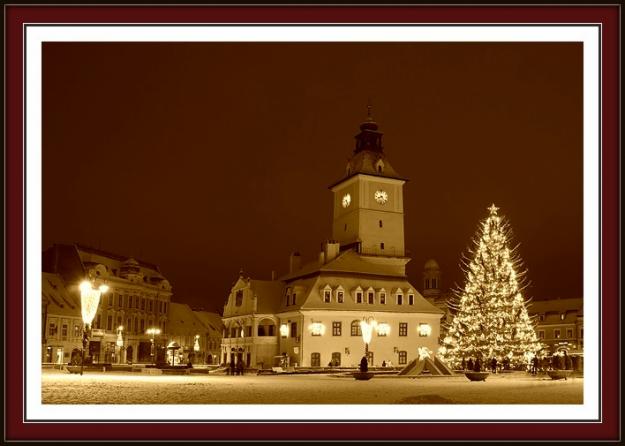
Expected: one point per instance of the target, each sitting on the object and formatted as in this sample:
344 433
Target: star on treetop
493 209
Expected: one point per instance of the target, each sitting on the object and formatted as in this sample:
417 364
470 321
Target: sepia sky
205 158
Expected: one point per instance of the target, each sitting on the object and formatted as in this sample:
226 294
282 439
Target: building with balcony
138 298
312 315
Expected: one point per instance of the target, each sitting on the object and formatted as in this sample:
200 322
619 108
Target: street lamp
367 325
196 346
120 343
89 300
153 332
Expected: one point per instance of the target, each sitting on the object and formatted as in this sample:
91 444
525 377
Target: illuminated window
403 357
556 334
562 316
336 328
424 330
355 328
76 330
403 329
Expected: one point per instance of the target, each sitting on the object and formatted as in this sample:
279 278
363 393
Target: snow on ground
60 387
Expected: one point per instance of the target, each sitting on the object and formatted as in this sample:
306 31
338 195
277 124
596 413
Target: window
382 245
327 296
403 357
424 330
64 330
383 298
336 359
293 329
150 305
52 330
433 283
381 223
562 316
294 296
541 317
315 359
427 284
403 329
411 299
359 297
165 307
339 297
129 301
556 334
249 331
336 328
238 301
356 328
76 330
400 299
129 325
270 330
109 322
541 334
143 303
379 168
370 298
97 321
142 326
120 300
110 299
569 333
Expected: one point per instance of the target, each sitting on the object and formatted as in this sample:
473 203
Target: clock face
347 199
381 196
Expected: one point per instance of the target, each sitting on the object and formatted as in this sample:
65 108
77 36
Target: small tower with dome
431 279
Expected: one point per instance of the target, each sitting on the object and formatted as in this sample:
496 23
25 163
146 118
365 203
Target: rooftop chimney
331 250
295 262
273 275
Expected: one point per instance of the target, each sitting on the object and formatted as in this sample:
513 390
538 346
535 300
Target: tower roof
431 264
369 157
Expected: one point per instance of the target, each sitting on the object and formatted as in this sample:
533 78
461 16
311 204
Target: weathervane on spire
369 108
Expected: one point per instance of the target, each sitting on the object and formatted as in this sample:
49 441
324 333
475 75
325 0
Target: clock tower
368 207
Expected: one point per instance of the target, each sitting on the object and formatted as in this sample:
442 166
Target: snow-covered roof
556 306
60 300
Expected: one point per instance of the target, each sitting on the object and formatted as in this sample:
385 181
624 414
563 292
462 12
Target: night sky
205 158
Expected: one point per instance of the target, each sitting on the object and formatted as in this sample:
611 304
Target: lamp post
367 325
89 300
153 332
120 343
196 346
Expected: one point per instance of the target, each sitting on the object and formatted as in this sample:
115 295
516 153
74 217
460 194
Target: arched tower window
427 284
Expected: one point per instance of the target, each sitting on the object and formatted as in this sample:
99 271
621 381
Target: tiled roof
210 320
181 320
556 306
268 294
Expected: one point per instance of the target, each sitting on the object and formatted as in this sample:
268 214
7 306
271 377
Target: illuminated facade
311 316
559 324
138 298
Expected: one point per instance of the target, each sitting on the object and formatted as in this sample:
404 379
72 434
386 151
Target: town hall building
312 316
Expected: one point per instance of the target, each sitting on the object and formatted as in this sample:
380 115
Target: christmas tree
490 314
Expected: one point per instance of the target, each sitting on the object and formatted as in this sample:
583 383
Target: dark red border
609 17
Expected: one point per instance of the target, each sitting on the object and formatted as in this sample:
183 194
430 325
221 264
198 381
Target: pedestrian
470 364
330 364
364 364
464 364
232 368
477 367
240 368
493 364
535 365
383 363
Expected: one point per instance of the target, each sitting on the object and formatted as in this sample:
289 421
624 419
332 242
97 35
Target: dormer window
370 299
400 299
383 298
327 296
339 297
562 316
294 297
359 297
411 299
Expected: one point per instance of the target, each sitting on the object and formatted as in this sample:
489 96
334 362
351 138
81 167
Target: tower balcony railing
386 252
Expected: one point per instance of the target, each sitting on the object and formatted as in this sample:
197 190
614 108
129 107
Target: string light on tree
491 319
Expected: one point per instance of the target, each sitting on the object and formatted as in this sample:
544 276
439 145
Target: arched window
427 284
355 328
239 298
433 283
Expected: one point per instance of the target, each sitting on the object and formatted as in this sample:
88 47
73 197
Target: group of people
556 362
235 369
